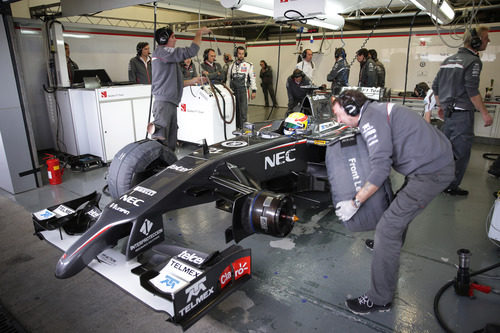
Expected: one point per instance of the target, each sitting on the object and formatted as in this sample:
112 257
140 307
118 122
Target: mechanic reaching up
398 137
241 76
168 83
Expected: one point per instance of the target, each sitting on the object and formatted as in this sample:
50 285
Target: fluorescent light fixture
261 7
332 22
256 10
443 14
65 34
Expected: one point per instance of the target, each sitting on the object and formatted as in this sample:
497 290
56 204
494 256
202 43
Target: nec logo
146 227
104 94
183 108
131 200
279 158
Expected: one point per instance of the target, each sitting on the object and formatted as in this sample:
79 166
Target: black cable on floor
446 286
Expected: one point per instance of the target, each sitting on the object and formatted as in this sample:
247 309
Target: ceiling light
444 14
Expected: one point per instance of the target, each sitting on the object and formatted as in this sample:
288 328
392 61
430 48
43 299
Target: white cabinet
100 121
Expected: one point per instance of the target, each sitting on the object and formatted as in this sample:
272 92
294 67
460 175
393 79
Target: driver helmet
296 120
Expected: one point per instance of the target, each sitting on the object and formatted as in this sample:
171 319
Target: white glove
345 210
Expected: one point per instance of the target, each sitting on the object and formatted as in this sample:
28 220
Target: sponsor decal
170 281
104 94
191 257
241 267
370 134
62 210
143 190
94 213
279 158
354 173
44 214
119 209
318 97
197 291
225 277
234 144
145 241
179 168
146 227
131 200
182 270
326 126
106 259
183 107
320 142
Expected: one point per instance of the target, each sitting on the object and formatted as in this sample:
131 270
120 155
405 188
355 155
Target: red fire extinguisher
54 170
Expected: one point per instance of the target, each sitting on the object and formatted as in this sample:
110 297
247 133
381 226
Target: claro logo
279 158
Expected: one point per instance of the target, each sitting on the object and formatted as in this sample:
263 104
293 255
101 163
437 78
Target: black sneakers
456 191
363 305
369 244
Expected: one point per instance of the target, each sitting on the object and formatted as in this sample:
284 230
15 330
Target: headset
205 54
140 46
475 41
340 52
349 104
235 53
162 35
297 72
421 89
304 53
226 57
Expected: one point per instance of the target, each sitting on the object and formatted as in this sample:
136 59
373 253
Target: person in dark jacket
72 66
396 138
456 90
168 83
367 74
187 69
293 87
210 68
266 76
339 75
139 67
379 68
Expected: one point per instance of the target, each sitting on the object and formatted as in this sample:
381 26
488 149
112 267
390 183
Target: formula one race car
257 177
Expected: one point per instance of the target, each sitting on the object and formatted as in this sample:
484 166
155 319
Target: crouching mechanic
395 136
168 83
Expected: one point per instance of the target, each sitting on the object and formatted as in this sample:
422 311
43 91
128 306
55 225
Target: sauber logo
146 227
194 291
279 158
104 94
183 107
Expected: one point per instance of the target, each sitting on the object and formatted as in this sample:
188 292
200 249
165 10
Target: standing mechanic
139 67
168 83
379 68
456 89
339 75
188 69
398 137
306 65
295 93
266 76
241 77
72 66
367 74
210 68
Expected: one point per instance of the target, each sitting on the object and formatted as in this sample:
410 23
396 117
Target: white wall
427 51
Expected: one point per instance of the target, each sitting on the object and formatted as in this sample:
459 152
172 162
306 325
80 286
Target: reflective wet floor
299 283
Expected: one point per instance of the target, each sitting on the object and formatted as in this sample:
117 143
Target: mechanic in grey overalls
456 89
241 76
396 137
168 83
367 73
339 75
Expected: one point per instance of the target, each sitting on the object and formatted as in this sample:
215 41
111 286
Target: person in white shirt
306 65
421 90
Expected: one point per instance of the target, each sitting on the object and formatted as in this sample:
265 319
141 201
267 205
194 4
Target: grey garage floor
299 283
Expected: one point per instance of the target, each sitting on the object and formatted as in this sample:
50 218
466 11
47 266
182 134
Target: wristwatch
356 202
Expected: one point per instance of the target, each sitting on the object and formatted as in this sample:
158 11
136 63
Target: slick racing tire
136 162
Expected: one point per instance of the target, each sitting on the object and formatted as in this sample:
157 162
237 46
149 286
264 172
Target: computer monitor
100 73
